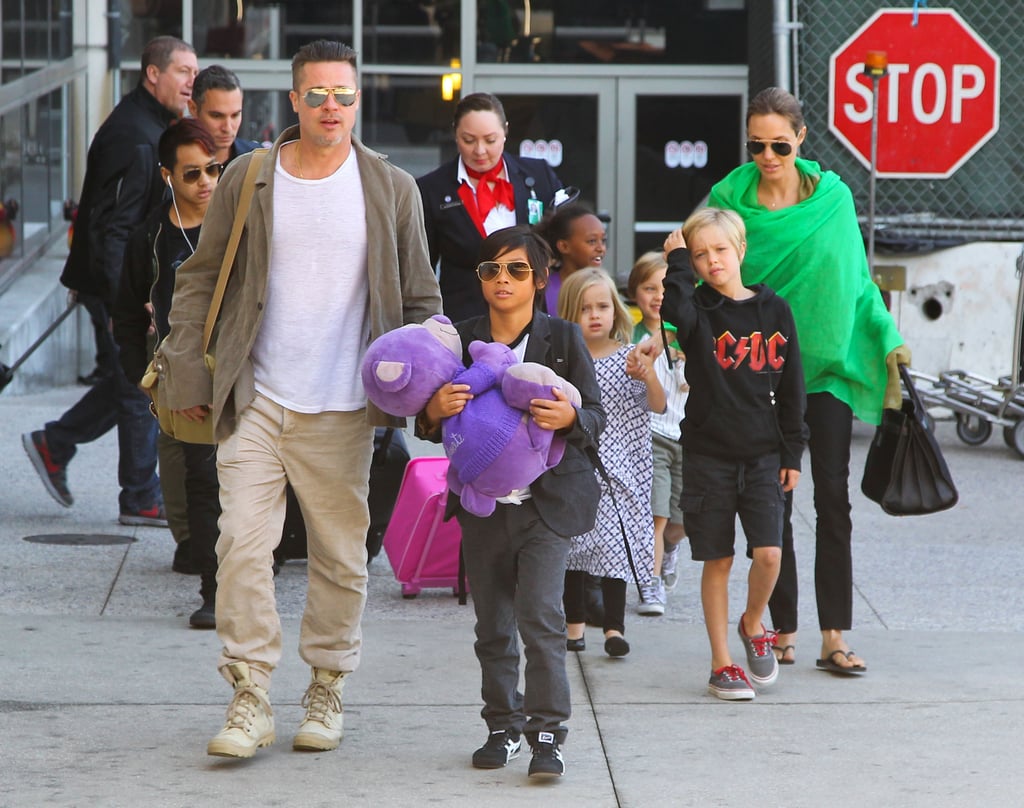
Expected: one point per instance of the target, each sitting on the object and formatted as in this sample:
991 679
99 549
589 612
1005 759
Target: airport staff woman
480 191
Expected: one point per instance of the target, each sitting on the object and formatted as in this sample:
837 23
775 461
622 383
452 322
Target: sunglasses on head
315 96
780 147
191 175
490 270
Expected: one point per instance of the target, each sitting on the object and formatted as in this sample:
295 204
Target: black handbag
905 472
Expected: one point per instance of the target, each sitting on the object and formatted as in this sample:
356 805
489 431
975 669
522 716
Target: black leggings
613 591
831 425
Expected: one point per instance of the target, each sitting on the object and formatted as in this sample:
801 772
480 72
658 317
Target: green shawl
812 254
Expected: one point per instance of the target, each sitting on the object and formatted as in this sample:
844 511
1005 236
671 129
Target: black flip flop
782 649
829 664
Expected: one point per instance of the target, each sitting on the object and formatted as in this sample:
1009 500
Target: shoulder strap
560 331
244 201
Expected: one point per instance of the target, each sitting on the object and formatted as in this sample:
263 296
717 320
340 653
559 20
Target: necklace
298 159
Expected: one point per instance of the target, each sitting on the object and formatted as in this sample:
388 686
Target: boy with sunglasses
333 255
155 250
515 558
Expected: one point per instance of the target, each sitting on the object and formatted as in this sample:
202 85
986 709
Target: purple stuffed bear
494 447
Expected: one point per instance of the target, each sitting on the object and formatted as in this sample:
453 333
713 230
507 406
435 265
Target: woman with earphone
167 237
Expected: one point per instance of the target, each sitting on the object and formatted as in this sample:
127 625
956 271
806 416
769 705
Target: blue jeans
114 401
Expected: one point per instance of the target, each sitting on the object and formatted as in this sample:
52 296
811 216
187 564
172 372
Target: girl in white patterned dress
630 391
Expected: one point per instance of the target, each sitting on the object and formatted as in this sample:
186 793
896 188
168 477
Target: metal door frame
603 186
716 80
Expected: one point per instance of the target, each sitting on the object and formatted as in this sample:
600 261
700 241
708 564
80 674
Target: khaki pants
326 458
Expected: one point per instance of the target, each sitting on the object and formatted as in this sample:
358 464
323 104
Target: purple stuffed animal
494 447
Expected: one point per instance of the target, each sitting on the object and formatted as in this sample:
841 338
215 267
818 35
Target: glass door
569 123
676 138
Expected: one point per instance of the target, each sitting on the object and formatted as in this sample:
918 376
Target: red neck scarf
478 205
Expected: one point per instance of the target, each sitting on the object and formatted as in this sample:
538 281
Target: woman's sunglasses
780 147
315 96
191 175
490 270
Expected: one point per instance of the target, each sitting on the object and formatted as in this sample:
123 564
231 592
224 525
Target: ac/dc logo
731 352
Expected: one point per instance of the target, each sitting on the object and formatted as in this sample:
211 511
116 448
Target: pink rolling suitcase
422 548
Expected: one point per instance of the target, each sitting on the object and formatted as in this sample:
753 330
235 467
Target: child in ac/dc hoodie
743 433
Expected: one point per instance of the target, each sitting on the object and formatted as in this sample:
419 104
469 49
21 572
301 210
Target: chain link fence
983 200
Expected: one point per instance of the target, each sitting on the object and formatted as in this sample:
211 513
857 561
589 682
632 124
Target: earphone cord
177 213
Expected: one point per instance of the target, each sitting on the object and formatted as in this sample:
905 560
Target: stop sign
938 104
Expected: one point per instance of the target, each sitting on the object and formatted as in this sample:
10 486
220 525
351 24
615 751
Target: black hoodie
741 355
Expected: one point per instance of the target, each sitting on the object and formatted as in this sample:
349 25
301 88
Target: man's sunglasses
780 147
191 175
315 96
490 270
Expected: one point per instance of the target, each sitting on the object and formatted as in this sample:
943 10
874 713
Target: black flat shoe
576 645
616 646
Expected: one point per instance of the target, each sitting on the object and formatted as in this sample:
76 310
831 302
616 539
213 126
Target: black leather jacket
94 262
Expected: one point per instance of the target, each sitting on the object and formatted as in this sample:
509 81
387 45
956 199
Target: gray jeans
515 566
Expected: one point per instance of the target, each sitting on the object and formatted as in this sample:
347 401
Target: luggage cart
979 403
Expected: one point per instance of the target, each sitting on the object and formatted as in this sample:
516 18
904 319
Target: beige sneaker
321 729
250 722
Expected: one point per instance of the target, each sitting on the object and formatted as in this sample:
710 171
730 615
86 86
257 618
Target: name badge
535 210
454 204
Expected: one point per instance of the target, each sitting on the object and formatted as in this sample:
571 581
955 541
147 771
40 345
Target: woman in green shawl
805 243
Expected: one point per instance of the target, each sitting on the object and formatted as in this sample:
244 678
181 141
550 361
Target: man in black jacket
93 271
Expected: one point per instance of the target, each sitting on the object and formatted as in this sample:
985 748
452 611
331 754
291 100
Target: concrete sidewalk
108 699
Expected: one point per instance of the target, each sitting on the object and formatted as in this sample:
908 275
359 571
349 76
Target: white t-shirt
315 325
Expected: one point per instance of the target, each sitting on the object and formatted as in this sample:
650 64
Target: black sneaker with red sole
54 475
153 516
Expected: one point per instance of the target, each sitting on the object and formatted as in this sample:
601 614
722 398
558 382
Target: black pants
831 425
202 495
514 565
613 592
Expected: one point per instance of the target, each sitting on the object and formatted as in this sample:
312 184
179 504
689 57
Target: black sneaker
205 616
54 475
547 757
502 746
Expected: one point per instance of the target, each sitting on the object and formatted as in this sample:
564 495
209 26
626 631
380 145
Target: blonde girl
630 390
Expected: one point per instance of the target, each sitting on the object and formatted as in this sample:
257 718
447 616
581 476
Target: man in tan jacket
333 255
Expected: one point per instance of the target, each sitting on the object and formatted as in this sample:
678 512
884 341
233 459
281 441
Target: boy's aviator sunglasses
315 96
490 270
191 175
780 147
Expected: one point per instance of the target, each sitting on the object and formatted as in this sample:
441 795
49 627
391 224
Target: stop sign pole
876 67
